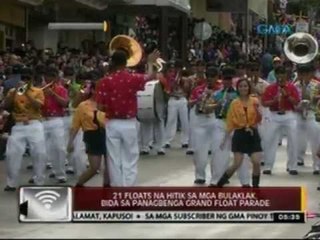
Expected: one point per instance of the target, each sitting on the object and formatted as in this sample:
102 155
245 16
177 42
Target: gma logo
265 29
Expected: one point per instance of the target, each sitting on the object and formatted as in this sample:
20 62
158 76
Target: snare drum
151 102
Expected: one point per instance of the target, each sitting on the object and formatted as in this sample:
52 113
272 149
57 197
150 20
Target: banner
189 199
162 204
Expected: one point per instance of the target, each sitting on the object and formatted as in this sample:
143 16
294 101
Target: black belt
281 113
222 118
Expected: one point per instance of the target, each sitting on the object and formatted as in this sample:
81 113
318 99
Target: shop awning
260 7
32 2
182 5
97 4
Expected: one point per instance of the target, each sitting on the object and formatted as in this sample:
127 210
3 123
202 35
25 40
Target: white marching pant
221 158
146 135
203 135
55 145
308 131
192 116
279 124
77 160
152 134
33 134
177 108
123 151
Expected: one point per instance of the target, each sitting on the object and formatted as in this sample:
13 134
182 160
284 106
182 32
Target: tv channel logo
45 204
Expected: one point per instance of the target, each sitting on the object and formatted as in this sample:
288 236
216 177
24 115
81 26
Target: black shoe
31 181
262 163
209 152
62 180
213 185
9 189
255 181
167 145
52 175
199 181
300 163
318 188
30 167
223 180
189 152
316 172
69 171
161 153
246 186
144 153
49 167
185 146
293 172
267 172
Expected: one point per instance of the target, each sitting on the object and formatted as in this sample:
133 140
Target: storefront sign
265 29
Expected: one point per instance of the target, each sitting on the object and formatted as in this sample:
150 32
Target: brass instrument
301 48
223 103
133 49
206 104
47 86
159 64
305 102
129 45
22 90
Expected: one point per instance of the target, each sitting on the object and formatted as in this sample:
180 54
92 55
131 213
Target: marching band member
317 68
202 104
116 95
194 81
220 162
26 103
307 128
152 131
177 107
243 119
281 98
258 86
92 122
56 99
77 158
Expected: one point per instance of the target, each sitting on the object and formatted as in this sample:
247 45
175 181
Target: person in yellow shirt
25 107
92 121
242 120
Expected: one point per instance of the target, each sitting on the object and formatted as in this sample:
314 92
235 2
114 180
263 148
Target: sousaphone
129 45
301 48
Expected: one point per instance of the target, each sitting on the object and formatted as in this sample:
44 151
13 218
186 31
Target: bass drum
151 102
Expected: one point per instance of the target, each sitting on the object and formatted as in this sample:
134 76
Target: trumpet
159 64
206 104
47 86
22 90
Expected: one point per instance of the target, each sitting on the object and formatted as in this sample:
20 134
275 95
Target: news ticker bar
161 204
187 217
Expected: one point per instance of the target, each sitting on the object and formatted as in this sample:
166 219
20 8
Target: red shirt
272 92
164 82
197 92
51 107
118 93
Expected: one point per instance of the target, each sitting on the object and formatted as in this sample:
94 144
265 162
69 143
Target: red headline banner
189 199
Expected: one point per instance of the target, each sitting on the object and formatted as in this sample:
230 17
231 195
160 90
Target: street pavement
174 169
